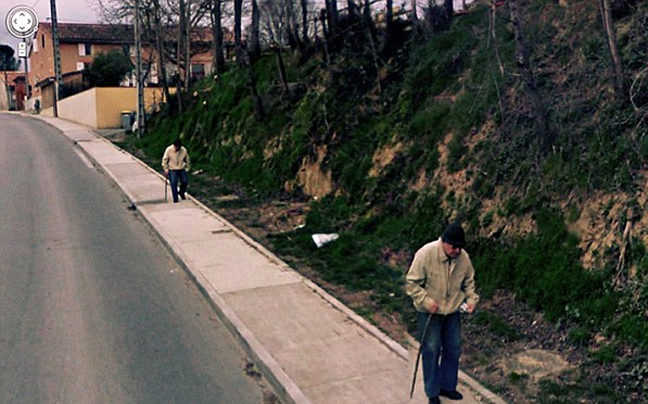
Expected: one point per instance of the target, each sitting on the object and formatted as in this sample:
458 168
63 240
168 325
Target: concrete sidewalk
311 347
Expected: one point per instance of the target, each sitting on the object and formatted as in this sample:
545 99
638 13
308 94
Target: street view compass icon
22 22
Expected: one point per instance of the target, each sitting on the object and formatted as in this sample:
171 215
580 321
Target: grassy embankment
450 105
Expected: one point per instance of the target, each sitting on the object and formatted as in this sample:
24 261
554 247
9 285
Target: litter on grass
322 239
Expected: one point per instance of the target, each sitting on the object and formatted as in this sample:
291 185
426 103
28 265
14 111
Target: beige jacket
434 276
175 160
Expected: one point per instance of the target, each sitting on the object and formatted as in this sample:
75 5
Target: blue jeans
440 351
174 177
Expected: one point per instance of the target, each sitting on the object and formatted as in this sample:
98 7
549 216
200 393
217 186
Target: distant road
92 307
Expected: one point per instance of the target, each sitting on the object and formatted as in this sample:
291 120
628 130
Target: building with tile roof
80 43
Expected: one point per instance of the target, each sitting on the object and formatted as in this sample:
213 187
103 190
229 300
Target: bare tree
159 45
282 25
272 21
283 77
352 8
116 11
291 29
238 38
370 33
183 42
617 65
255 45
332 15
217 31
414 15
304 10
448 5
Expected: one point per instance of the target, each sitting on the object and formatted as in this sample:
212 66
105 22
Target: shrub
109 69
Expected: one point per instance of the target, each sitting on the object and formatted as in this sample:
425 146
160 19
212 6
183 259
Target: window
42 41
80 66
153 78
85 49
198 71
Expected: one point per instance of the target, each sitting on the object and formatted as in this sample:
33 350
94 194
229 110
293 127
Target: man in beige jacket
176 164
441 283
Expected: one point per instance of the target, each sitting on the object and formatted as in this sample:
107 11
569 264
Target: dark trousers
440 351
176 176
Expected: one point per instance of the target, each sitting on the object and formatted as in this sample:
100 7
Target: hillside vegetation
439 125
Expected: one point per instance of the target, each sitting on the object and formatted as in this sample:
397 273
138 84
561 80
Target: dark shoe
434 400
183 196
452 395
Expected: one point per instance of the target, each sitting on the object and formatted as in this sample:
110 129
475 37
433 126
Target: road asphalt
310 347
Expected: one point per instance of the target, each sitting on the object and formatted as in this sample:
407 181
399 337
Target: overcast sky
66 11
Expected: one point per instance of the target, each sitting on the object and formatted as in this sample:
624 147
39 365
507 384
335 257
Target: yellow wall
101 108
110 104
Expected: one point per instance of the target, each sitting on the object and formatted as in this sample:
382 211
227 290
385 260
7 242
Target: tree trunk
180 52
283 77
332 14
522 60
217 32
617 65
259 111
255 47
325 34
187 46
183 63
389 13
448 5
352 8
414 15
159 44
292 33
370 32
304 10
238 40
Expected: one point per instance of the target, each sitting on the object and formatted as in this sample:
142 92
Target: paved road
93 308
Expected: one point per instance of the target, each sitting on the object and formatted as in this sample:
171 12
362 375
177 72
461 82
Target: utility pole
141 121
7 91
58 79
24 41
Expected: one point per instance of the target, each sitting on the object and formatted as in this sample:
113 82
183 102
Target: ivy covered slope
441 124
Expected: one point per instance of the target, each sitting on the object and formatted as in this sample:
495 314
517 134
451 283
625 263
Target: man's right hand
434 307
166 172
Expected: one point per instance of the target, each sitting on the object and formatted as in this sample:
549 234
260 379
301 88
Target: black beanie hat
454 234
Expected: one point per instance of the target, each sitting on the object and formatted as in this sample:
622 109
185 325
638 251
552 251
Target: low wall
81 108
102 107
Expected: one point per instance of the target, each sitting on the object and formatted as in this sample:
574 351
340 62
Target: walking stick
166 180
418 356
